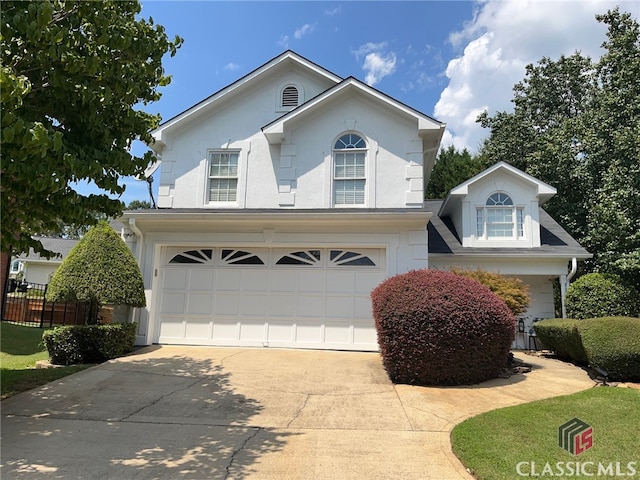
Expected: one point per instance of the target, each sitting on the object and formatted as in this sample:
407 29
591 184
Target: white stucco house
287 196
37 269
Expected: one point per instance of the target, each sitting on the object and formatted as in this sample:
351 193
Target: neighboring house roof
556 242
61 246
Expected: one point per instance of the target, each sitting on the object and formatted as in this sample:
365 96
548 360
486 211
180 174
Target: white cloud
231 66
333 11
284 41
377 62
502 38
303 30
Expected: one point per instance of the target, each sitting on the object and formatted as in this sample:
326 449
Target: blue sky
448 59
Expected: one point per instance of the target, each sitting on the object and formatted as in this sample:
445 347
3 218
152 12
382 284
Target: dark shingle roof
58 245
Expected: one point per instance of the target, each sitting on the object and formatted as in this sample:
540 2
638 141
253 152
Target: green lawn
492 444
20 348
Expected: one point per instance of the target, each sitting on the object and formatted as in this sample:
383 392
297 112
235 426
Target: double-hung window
349 179
499 218
223 176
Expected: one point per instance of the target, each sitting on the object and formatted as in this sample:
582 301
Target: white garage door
300 297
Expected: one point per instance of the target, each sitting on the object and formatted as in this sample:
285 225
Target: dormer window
290 97
499 219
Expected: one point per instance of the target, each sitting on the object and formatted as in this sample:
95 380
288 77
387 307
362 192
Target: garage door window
306 257
239 257
193 256
343 257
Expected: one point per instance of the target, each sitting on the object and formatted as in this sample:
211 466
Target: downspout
564 284
135 314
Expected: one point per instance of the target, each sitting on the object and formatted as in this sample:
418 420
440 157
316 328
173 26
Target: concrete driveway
214 413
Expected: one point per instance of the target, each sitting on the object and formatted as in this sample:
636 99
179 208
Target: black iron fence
25 304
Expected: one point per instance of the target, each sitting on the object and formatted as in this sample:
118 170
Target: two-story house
287 196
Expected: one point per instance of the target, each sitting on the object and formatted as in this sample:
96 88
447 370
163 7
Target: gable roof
282 61
426 124
555 241
62 246
544 190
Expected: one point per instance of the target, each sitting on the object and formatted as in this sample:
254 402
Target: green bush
601 295
69 345
563 337
439 328
613 344
101 270
513 291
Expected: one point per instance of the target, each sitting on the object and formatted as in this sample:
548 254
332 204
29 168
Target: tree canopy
452 168
73 80
576 126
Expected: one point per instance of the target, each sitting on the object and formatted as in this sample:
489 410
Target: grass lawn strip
492 444
20 348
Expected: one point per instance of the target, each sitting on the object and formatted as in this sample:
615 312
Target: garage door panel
226 304
283 281
366 281
282 305
310 306
339 306
172 302
309 331
199 303
253 330
280 331
225 329
227 280
340 282
338 331
254 305
201 279
364 333
171 327
311 280
175 279
362 307
254 280
197 328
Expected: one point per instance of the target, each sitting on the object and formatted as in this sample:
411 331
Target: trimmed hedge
439 328
563 337
601 295
69 345
613 344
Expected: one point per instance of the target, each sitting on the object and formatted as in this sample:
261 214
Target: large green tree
73 80
576 125
452 168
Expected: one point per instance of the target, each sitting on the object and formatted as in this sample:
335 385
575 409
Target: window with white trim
223 176
499 219
349 178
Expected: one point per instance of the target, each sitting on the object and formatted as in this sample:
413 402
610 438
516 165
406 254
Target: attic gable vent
290 96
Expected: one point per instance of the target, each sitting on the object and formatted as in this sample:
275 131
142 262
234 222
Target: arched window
349 175
499 218
290 97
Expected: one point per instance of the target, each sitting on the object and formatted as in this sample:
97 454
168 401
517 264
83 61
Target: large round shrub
601 295
613 344
439 328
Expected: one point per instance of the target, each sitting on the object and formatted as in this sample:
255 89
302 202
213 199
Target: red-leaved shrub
438 328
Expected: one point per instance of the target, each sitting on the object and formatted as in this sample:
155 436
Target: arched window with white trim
499 218
349 172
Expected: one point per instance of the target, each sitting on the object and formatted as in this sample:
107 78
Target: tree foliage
100 269
452 168
72 79
576 126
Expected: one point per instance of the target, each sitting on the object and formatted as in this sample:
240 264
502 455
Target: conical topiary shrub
100 270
